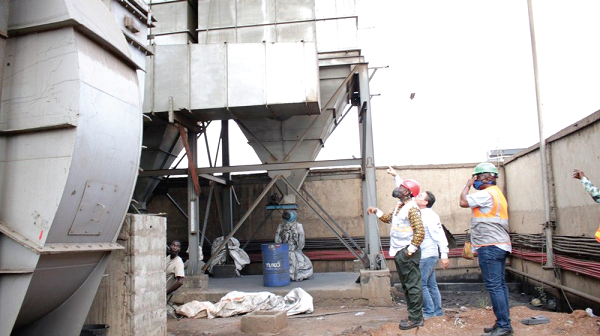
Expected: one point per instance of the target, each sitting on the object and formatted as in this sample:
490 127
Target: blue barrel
276 265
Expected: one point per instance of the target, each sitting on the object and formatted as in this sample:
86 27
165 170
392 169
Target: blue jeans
432 301
492 261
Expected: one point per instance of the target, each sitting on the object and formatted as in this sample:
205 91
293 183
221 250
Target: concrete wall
577 146
341 198
575 213
132 295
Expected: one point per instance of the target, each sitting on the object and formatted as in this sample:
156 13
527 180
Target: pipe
548 230
555 285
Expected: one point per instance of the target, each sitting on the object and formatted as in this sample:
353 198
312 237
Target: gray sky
469 64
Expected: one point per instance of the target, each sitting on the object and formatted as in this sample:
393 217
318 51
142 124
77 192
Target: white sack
297 301
239 256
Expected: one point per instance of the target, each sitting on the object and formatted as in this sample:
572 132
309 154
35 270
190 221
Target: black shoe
489 329
500 332
406 325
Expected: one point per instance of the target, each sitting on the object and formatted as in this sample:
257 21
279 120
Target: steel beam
206 212
345 234
259 167
369 187
257 229
227 196
241 124
322 219
181 210
240 222
193 209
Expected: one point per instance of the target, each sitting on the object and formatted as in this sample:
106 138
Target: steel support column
193 209
227 196
369 188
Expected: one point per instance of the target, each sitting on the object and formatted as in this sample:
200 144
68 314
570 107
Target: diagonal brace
324 221
345 234
240 222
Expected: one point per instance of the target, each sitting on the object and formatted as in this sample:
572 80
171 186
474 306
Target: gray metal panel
215 14
68 317
208 73
236 80
4 17
292 10
247 74
32 59
296 32
91 83
257 34
255 12
174 17
175 38
171 79
49 282
13 287
119 12
108 140
26 95
3 35
37 15
217 36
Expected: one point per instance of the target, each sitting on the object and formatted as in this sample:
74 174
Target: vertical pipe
548 230
227 196
193 210
369 188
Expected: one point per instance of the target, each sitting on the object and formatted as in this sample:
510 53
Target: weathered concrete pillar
131 298
375 287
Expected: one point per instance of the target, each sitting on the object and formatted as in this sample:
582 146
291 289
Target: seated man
174 270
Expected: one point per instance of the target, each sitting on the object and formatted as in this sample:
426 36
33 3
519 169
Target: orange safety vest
497 215
499 209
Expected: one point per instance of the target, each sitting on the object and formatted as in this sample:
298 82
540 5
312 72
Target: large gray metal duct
70 139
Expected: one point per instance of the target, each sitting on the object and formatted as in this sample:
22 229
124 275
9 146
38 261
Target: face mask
477 184
395 193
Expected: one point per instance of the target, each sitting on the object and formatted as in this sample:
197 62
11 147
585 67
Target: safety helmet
485 167
289 216
413 186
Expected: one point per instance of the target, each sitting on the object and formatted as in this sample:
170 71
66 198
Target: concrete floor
327 289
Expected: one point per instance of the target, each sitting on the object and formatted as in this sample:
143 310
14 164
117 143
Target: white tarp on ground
239 256
297 301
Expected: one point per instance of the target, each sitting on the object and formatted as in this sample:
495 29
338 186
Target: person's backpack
449 237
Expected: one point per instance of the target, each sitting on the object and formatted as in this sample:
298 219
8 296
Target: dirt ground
467 313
